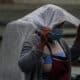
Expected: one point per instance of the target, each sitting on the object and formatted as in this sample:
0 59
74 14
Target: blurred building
6 1
51 1
42 1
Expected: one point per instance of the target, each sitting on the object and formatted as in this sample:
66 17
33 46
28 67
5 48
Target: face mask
56 34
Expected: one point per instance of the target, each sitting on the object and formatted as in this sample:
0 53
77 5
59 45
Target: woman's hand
43 35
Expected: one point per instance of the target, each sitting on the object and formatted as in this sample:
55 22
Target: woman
56 55
45 55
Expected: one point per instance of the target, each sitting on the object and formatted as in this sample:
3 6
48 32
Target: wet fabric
49 16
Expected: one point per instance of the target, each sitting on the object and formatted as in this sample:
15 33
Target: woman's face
56 33
53 36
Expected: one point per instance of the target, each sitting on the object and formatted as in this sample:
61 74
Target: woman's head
56 32
53 34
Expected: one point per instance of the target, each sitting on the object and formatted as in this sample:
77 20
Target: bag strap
65 48
48 46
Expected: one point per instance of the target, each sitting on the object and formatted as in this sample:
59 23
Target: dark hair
58 25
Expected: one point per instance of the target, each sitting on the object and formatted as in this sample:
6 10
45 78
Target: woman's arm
30 55
31 51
